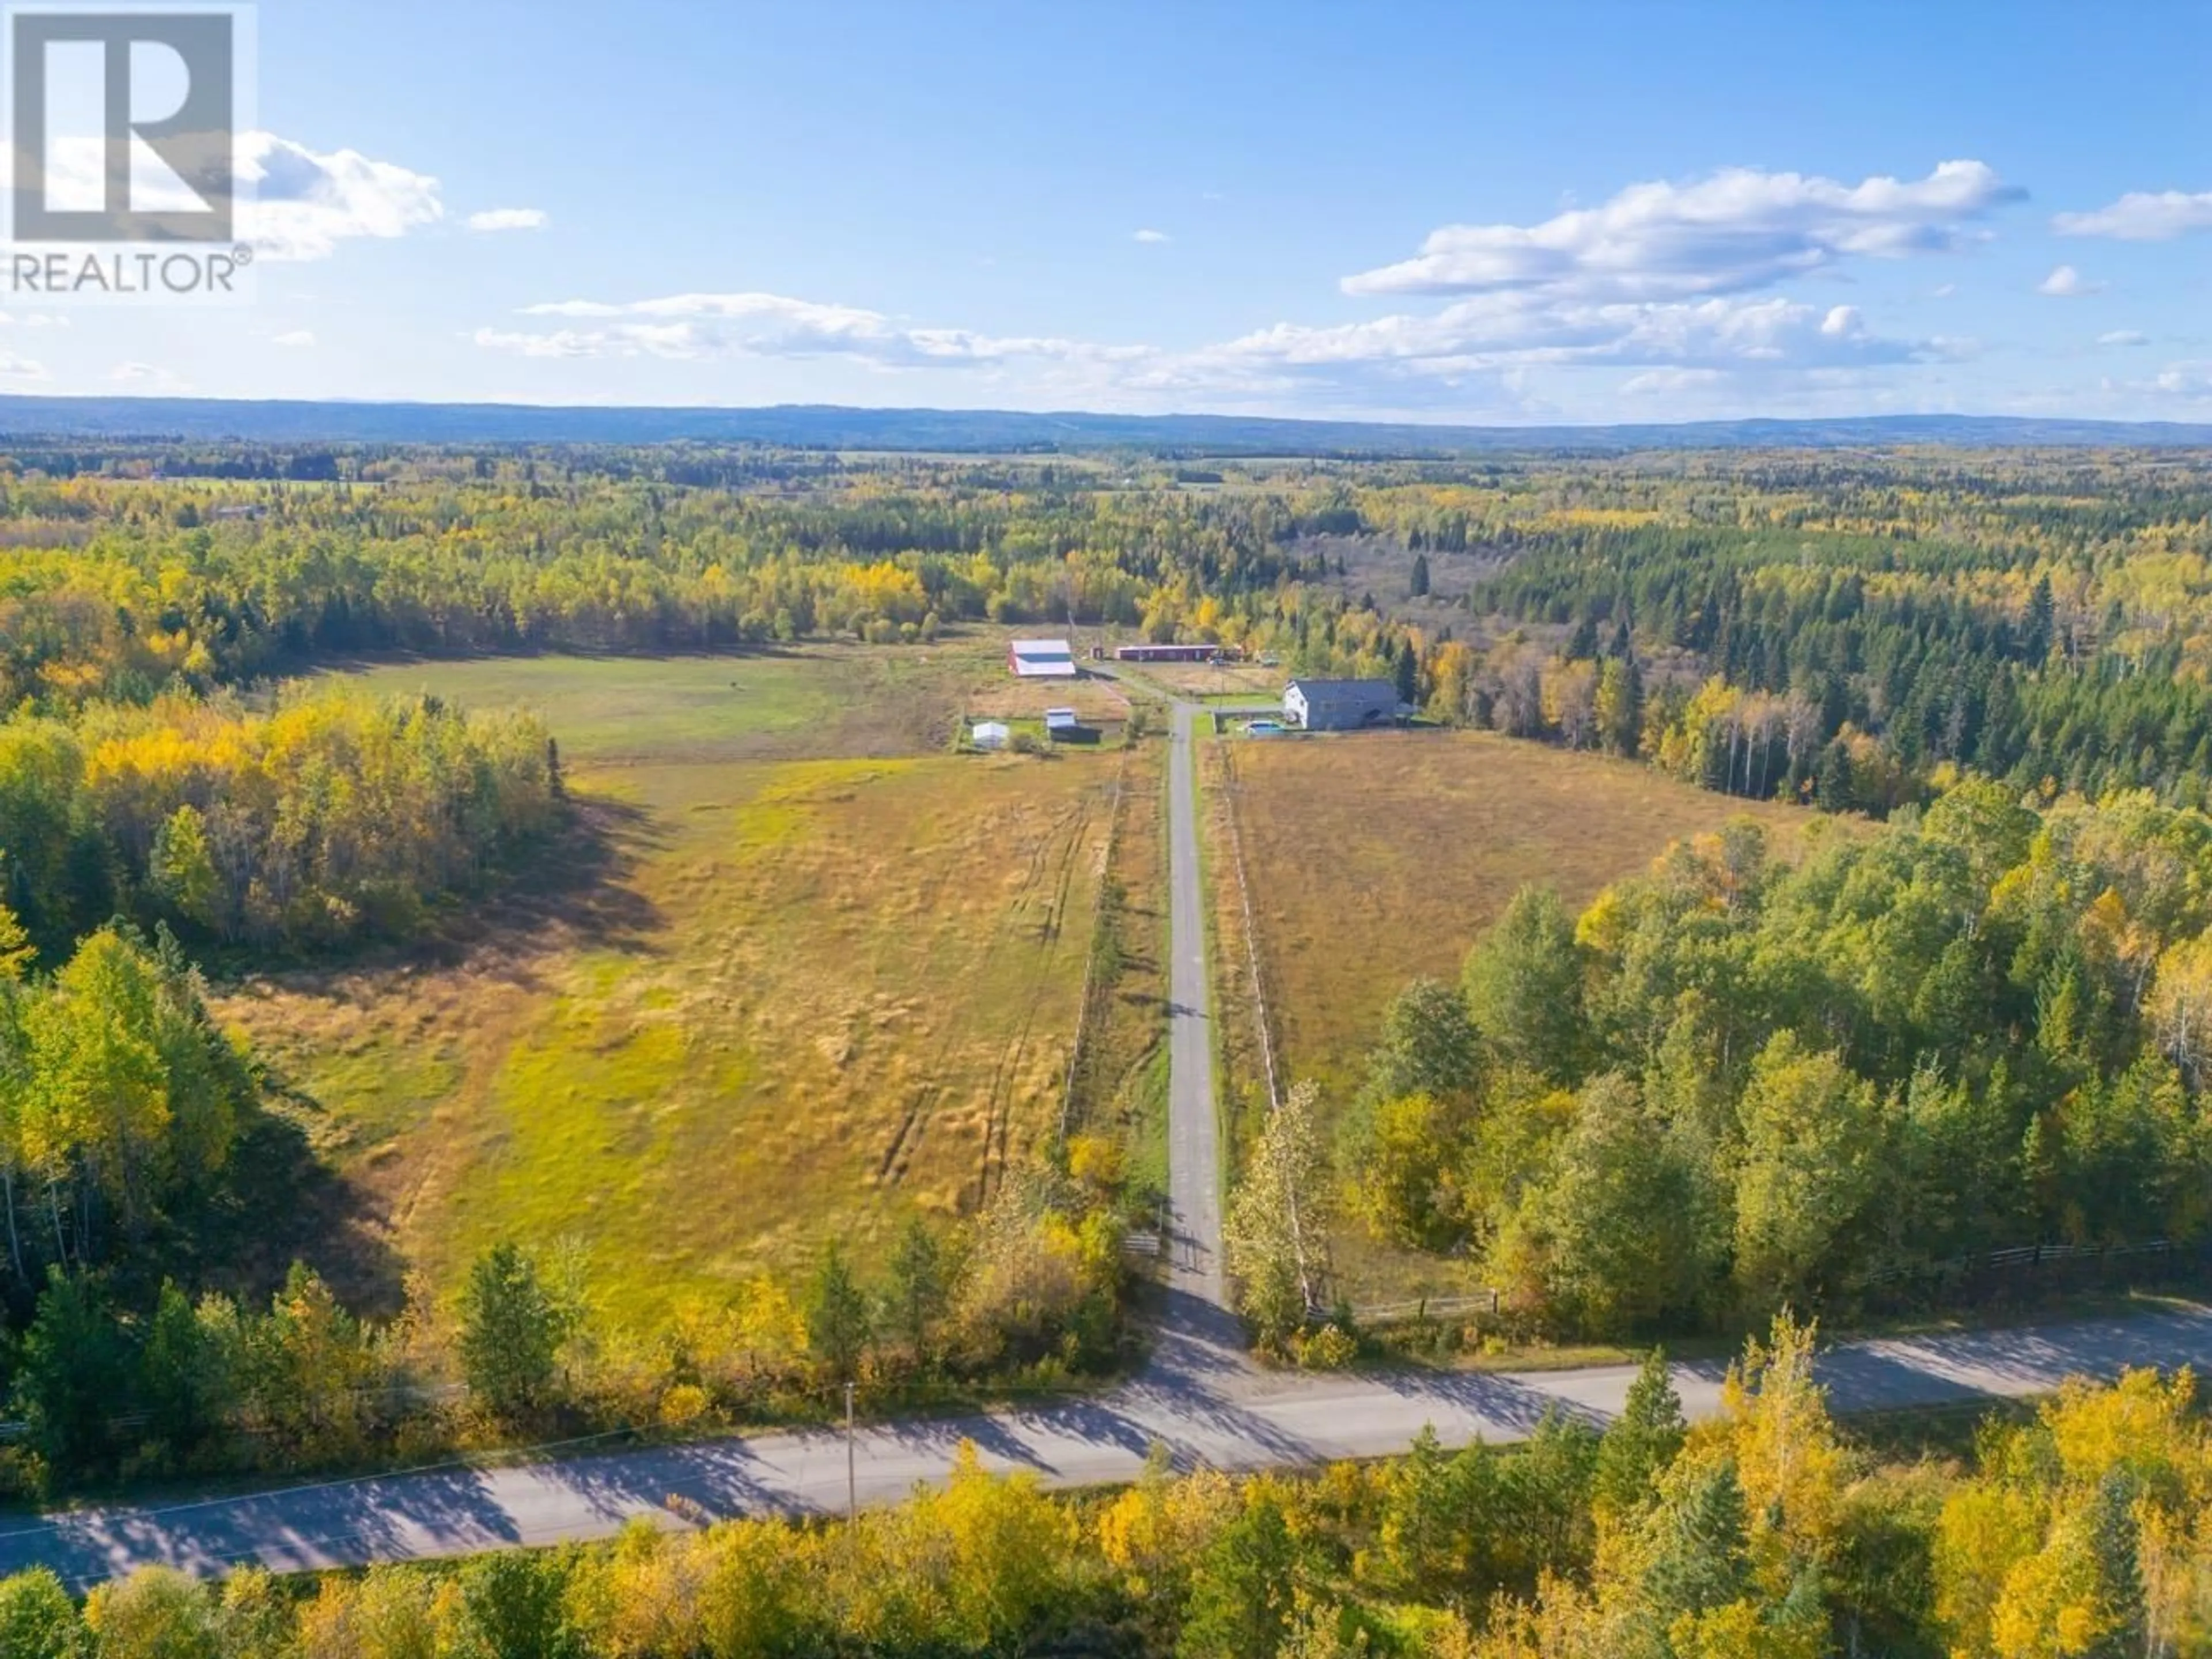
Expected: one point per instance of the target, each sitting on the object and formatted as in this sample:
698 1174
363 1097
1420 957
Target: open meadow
805 973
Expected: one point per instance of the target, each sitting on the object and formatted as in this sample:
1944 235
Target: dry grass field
1378 857
827 975
1241 682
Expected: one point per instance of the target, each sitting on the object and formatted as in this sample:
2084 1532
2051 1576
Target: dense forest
299 819
1766 1534
1731 1085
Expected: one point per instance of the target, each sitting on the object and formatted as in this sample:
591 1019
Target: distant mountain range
820 426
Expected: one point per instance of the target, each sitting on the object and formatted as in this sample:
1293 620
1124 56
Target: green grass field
824 975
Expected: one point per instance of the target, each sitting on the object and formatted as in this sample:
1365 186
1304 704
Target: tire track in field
1000 1103
921 1105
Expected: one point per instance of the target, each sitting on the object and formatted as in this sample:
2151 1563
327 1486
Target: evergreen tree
1834 787
2037 634
1430 1046
1639 1444
1699 1557
72 1375
512 1605
2116 1540
919 1291
1241 1589
512 1329
837 1315
1620 707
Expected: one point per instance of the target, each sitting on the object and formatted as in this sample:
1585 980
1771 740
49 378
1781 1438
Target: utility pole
852 1480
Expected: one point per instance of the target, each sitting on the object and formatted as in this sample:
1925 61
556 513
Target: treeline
1850 633
2073 654
303 820
114 590
1862 629
118 1375
1732 1085
1761 1534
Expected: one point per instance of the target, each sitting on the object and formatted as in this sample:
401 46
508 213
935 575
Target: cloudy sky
1563 211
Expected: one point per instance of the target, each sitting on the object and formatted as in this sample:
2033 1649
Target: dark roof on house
1348 694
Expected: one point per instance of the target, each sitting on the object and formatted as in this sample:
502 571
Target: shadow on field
279 1204
573 889
284 1202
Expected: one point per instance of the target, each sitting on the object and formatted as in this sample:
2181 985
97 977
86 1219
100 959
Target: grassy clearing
828 979
1378 857
1120 1084
806 702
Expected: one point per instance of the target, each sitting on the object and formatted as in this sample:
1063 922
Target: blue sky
1541 212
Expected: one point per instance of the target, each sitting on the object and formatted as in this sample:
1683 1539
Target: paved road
1198 1333
1199 1395
1229 1418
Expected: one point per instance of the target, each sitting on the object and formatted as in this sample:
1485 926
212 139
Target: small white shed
989 735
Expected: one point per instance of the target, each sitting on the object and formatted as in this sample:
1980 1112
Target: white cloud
2123 337
1738 230
14 367
296 338
1516 329
1487 335
296 203
563 343
508 219
1670 382
702 326
2184 379
1942 291
2065 282
2142 215
1150 236
307 203
1647 287
149 376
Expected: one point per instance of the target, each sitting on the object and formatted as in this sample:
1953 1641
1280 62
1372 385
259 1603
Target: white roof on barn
1050 659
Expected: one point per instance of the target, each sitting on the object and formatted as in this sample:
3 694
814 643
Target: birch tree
1276 1228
